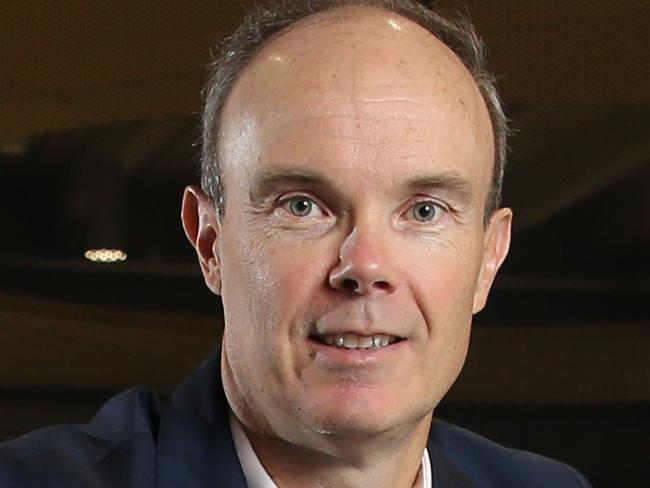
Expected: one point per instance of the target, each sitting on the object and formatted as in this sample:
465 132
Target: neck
347 462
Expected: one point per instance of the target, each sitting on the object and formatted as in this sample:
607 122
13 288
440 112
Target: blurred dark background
98 132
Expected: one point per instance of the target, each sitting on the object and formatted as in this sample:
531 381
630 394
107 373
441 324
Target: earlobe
202 228
495 250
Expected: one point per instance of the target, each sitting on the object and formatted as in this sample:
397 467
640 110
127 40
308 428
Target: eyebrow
266 181
450 182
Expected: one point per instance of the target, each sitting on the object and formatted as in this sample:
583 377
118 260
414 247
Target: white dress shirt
257 477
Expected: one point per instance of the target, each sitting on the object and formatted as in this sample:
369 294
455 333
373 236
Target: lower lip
342 357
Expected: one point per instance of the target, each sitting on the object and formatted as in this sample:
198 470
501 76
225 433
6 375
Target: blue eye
425 211
300 206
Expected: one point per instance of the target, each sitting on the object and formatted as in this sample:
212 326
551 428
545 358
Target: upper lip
358 330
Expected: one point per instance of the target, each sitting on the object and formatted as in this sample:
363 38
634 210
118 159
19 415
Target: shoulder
99 453
489 464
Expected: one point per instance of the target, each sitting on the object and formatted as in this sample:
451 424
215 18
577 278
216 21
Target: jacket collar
195 445
445 473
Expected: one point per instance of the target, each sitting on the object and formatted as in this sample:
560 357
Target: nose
364 268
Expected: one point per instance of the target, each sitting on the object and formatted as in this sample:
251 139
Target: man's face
357 156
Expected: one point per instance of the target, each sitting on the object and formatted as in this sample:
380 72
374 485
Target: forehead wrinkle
366 142
367 119
373 100
374 128
312 85
388 110
385 115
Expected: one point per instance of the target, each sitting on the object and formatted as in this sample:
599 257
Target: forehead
358 48
354 79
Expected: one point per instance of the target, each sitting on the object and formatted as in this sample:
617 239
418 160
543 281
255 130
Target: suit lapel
446 474
195 446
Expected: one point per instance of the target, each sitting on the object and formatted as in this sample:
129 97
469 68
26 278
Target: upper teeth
354 341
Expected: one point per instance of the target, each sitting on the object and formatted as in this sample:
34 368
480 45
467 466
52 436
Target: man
350 221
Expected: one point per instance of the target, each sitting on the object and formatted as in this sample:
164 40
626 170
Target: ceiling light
105 255
16 147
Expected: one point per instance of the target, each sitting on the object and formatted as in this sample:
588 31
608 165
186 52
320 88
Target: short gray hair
266 22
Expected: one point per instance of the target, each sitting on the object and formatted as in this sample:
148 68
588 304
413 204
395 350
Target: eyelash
440 208
286 200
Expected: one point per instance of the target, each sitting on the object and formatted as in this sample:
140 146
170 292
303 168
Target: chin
359 413
351 427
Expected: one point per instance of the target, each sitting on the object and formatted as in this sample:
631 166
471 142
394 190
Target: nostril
350 284
382 285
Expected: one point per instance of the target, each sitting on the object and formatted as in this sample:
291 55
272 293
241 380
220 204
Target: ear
495 249
202 228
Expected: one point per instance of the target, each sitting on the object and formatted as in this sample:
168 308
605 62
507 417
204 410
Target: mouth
352 341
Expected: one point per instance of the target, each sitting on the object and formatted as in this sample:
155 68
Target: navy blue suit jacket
135 441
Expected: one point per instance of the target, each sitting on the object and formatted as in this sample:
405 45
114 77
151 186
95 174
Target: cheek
246 282
447 310
446 297
446 279
301 277
444 291
250 311
271 284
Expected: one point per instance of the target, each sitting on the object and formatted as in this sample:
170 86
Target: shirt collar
256 475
